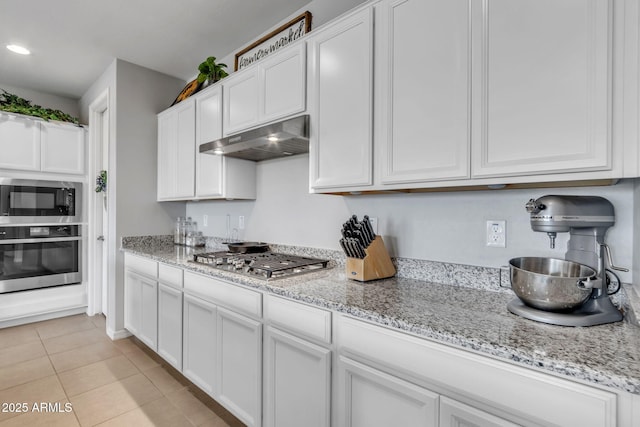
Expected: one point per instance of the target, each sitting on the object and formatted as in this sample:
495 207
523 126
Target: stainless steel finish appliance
586 219
282 139
38 202
39 256
550 283
262 265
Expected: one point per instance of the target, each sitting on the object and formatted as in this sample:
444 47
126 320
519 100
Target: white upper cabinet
19 143
341 102
62 148
209 169
284 82
218 176
422 89
272 89
30 144
541 86
176 152
491 92
241 101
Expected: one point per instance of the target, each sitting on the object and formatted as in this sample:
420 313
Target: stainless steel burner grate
265 265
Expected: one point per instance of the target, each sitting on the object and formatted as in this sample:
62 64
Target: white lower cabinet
371 398
501 393
238 383
297 376
457 414
317 368
141 308
199 342
170 325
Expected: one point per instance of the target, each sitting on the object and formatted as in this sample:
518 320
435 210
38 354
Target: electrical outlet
241 222
205 220
497 233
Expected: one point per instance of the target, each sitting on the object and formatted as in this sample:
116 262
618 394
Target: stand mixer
587 219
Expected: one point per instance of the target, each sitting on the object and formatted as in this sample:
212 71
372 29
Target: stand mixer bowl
550 284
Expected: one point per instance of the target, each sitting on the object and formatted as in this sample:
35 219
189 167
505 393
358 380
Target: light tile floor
70 363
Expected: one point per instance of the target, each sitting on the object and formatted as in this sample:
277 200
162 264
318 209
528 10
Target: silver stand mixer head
587 219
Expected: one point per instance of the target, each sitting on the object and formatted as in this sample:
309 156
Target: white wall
448 227
46 100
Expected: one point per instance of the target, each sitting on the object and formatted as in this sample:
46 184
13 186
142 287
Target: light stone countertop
472 319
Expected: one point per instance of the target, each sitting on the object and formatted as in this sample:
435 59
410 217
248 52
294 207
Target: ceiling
74 41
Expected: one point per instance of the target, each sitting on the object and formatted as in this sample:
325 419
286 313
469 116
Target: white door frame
98 138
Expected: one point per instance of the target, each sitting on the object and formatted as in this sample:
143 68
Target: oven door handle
43 240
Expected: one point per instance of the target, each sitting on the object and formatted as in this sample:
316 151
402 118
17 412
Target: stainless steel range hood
281 139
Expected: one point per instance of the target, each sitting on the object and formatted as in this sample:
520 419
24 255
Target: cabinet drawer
226 294
299 318
170 275
521 392
141 265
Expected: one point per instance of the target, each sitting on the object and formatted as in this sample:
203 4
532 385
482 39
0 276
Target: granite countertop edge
294 288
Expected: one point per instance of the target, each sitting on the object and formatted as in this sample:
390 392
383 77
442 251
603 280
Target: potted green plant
211 72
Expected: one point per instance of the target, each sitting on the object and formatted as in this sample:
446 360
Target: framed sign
275 40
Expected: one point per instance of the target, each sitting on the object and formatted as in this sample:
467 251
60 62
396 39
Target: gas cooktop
263 265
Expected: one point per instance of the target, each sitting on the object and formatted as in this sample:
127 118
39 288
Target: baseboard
42 316
118 335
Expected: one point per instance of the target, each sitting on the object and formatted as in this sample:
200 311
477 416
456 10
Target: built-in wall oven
40 234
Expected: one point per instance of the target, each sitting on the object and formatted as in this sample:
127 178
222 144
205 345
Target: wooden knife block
375 265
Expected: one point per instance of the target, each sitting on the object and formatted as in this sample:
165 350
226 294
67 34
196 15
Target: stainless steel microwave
34 201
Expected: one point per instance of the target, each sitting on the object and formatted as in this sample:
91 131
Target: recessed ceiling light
18 49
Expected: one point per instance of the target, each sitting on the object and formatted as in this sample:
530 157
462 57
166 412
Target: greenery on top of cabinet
14 104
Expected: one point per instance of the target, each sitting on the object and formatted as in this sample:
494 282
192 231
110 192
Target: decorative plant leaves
14 104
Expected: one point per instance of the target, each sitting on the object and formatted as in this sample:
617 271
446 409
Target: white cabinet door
283 84
456 414
62 148
423 121
141 308
241 101
542 86
297 386
199 342
176 152
19 143
340 71
209 168
371 398
170 325
132 302
148 331
239 366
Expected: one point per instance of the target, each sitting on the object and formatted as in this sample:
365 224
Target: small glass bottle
177 230
185 230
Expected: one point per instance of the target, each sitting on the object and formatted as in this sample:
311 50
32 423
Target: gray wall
136 95
447 227
636 236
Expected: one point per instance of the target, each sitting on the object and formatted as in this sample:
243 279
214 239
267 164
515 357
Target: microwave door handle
45 240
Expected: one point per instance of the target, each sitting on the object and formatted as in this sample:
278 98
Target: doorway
98 206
